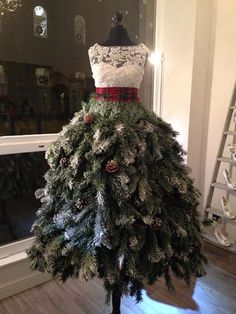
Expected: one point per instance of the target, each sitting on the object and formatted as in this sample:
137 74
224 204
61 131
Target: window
44 82
80 29
21 175
40 22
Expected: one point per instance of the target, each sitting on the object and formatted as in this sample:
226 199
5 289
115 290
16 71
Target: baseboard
23 284
17 277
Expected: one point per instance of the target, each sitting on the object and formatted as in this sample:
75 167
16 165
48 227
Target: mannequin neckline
97 44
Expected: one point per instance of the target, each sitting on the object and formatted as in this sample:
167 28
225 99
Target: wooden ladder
210 211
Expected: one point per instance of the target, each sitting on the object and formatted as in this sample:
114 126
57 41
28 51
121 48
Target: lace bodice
118 66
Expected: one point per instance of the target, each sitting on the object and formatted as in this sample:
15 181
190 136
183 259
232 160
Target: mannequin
118 34
107 205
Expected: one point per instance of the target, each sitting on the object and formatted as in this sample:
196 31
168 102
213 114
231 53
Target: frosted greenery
127 227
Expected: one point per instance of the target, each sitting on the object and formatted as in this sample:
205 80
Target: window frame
15 144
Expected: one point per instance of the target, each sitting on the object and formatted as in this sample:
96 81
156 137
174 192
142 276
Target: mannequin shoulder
146 49
93 50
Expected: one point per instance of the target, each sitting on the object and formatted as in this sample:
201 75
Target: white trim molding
25 143
16 275
14 248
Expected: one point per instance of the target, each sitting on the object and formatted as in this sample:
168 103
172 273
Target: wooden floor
213 294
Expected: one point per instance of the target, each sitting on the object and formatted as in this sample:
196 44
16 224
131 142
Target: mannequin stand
116 300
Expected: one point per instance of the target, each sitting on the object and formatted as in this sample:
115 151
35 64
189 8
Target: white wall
175 38
198 39
224 74
201 89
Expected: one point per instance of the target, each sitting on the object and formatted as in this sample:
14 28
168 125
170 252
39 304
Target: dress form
127 205
118 34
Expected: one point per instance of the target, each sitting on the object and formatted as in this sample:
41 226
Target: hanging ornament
156 224
63 162
88 118
112 166
80 203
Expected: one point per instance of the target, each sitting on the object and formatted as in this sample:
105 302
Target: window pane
44 66
20 176
40 22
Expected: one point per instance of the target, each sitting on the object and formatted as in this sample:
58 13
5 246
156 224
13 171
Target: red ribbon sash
117 94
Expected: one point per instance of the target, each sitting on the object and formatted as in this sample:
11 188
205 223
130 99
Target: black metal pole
116 300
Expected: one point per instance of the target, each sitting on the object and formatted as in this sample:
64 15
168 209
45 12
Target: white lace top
118 66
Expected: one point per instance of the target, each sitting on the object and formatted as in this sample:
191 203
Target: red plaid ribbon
117 94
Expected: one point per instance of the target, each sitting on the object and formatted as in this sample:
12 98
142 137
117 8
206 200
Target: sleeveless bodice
118 66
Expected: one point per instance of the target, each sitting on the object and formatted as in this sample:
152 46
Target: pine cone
112 166
88 118
156 224
64 162
174 181
182 188
80 203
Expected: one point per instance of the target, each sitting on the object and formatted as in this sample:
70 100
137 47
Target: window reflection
40 100
40 22
43 82
21 175
80 29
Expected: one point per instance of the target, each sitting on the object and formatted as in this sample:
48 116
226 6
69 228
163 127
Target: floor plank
213 294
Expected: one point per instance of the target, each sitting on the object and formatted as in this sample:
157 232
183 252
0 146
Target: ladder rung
232 107
219 213
219 185
226 159
223 187
230 132
215 211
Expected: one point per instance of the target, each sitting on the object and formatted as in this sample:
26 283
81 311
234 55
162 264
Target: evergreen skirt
118 202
